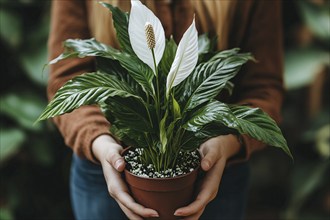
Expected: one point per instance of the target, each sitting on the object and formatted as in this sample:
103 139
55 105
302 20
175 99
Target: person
254 26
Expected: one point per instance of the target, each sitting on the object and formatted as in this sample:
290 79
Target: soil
187 162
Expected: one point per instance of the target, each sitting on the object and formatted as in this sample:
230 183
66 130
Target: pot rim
164 178
196 169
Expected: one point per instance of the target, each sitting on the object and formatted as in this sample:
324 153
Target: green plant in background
30 156
304 62
20 41
307 67
158 97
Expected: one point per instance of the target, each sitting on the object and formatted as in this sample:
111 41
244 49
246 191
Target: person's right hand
107 151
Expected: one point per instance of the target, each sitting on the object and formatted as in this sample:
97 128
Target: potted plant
160 99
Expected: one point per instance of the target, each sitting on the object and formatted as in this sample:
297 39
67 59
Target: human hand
215 153
107 151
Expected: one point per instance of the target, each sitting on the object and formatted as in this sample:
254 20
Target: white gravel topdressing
187 162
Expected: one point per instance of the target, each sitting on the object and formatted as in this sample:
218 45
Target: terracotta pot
164 195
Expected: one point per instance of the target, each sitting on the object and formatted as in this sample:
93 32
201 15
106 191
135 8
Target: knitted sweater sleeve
259 84
80 127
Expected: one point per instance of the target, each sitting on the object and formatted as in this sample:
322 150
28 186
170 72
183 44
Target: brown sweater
255 26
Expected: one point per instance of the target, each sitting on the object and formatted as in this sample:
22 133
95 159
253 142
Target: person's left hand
215 153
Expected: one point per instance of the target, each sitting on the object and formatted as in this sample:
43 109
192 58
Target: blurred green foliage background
34 162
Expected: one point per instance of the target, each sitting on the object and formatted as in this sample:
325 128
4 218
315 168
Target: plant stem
176 142
150 119
157 87
158 112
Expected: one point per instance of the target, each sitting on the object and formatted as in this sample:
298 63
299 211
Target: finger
192 209
115 159
118 190
125 199
211 155
129 213
195 216
208 191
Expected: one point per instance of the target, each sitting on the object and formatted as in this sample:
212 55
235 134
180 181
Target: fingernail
118 163
177 213
155 215
206 164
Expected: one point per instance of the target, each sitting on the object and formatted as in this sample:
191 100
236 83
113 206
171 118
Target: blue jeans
91 200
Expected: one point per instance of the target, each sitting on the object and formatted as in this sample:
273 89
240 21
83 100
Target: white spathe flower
140 15
186 58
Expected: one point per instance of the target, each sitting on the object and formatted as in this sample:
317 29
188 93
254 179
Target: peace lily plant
160 97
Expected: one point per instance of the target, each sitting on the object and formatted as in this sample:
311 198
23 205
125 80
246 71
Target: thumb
209 159
116 160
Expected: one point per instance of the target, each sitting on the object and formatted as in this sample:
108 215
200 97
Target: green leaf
120 21
85 48
33 64
33 55
170 133
251 121
317 18
229 86
203 44
11 140
192 140
323 142
314 176
163 133
6 213
129 137
225 53
212 112
11 27
206 47
303 65
209 121
209 78
113 67
212 130
176 109
87 89
24 107
258 125
138 70
129 113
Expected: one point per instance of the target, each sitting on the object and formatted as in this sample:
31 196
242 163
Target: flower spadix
186 58
150 35
140 18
